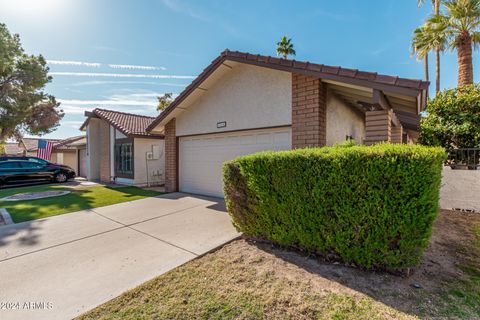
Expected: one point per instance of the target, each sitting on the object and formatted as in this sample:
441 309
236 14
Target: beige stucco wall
246 97
153 168
93 149
460 189
343 121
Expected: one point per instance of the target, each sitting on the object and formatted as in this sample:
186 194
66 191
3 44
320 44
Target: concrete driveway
60 267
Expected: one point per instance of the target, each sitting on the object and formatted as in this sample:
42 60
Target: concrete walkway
60 267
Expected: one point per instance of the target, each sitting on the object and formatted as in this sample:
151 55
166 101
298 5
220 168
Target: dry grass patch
248 280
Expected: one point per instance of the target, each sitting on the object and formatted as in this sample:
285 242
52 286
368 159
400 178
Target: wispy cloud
98 65
337 16
120 75
182 7
134 67
106 82
72 124
74 63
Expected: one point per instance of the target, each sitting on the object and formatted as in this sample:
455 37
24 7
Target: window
31 165
38 160
9 165
124 158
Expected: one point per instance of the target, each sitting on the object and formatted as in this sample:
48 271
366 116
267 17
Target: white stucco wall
93 150
155 169
460 189
342 121
246 97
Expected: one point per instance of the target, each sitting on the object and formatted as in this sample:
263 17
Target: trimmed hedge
371 206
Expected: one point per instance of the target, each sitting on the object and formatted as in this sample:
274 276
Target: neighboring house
25 147
244 103
12 149
71 152
120 150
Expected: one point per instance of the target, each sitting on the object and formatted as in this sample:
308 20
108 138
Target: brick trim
309 112
378 126
171 157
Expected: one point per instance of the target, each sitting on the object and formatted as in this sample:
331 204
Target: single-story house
243 103
120 150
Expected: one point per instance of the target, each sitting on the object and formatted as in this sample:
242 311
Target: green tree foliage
457 27
164 101
372 206
24 106
285 47
453 119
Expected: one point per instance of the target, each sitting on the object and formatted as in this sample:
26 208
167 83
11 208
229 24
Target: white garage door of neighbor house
201 157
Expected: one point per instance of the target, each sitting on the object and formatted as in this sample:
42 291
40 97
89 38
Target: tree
453 119
24 106
426 39
459 27
285 47
164 101
436 10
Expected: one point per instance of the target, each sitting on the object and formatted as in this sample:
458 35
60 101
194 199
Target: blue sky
121 54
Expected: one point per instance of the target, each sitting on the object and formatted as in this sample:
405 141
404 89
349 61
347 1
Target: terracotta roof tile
348 72
127 123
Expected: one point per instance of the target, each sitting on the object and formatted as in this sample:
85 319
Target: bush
453 119
371 206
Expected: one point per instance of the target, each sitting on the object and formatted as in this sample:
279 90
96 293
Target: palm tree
285 47
436 10
458 28
421 48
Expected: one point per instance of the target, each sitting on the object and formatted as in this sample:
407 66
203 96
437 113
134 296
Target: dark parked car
22 170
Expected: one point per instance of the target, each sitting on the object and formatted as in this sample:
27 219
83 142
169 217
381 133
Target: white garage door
201 157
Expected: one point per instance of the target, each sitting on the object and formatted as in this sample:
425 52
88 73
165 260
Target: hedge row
372 206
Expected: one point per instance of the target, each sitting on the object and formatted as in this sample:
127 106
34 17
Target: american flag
44 150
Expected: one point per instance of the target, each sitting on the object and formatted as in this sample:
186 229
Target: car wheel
61 177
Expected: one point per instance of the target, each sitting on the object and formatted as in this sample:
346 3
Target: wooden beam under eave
380 99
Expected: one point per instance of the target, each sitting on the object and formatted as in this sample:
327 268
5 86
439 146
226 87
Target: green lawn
80 198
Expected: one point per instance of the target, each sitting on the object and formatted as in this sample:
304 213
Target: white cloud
97 65
112 102
74 63
102 82
120 75
134 67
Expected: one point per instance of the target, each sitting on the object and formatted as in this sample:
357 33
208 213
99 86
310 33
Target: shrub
371 206
453 119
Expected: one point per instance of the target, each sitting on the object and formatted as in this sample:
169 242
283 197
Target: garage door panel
201 157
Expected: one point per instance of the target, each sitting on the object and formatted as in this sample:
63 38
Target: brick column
104 136
309 112
171 156
397 134
378 126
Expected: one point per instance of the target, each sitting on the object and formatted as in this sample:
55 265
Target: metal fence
467 158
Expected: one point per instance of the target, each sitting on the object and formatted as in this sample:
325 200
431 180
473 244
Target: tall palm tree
458 28
436 10
285 47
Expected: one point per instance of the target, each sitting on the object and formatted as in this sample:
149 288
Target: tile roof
127 123
31 144
12 148
70 143
336 73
